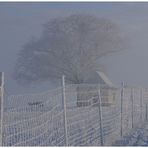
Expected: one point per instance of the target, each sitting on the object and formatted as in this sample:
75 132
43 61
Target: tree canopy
68 45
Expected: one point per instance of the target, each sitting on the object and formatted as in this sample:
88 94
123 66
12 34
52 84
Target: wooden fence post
132 101
64 108
1 106
122 95
141 103
100 116
146 114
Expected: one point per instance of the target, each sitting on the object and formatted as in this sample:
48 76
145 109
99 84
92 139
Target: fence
73 115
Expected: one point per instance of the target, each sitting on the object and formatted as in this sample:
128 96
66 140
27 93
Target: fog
19 22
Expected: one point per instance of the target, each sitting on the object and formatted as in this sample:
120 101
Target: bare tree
70 46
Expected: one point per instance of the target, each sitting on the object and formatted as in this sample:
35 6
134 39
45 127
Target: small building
87 93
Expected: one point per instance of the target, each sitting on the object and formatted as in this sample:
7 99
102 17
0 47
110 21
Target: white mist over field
21 21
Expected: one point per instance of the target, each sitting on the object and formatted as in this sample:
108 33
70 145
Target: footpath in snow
138 137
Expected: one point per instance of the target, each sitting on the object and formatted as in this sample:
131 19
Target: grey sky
21 21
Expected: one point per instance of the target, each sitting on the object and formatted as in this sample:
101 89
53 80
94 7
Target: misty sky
19 22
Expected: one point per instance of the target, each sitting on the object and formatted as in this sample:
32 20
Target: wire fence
78 115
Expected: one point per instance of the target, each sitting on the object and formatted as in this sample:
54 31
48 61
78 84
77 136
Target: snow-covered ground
137 137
